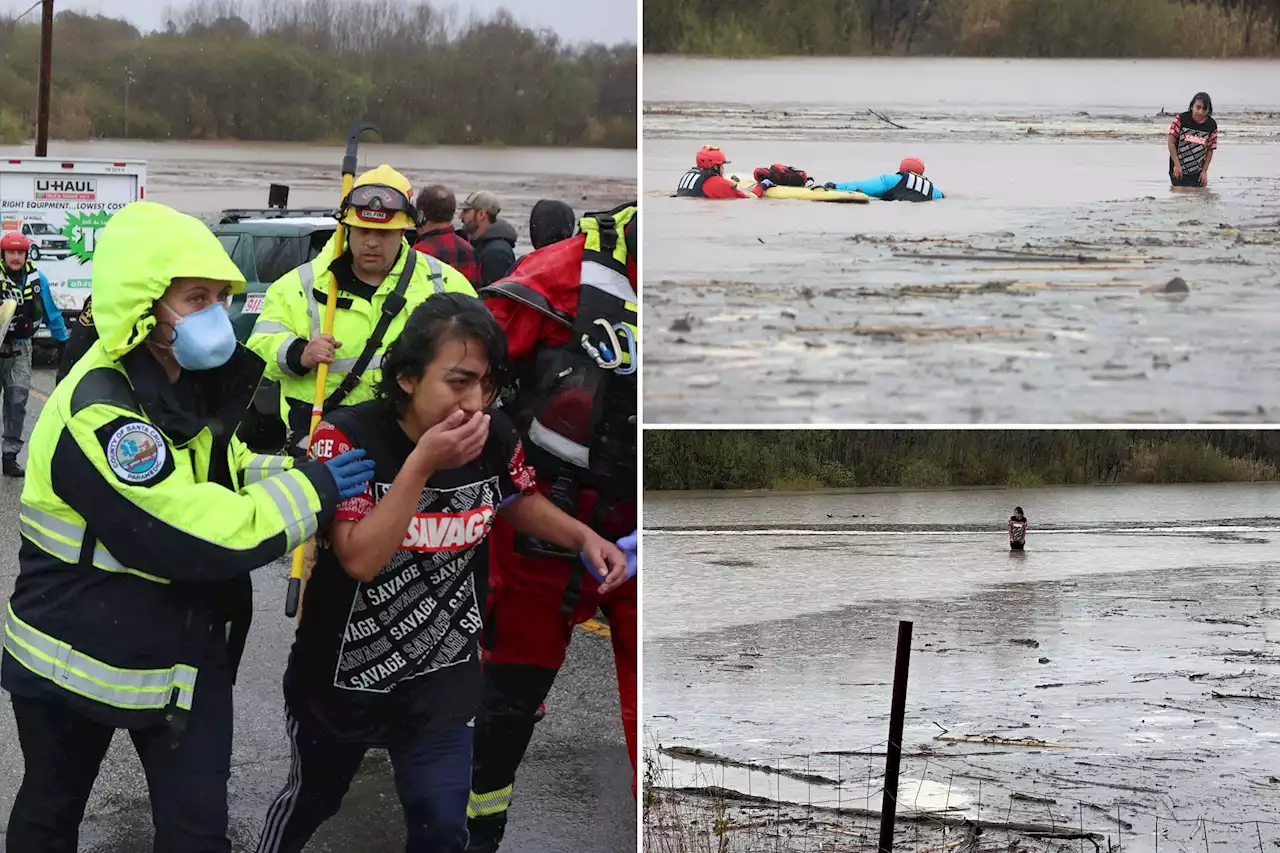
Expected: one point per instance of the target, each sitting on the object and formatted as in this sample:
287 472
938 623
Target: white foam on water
915 795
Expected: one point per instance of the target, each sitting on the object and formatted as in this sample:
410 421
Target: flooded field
1033 294
1121 675
205 178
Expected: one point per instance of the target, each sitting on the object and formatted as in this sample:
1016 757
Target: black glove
828 186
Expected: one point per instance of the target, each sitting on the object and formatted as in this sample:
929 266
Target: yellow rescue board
807 193
7 307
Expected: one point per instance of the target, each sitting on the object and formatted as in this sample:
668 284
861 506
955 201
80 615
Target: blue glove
628 545
766 183
351 472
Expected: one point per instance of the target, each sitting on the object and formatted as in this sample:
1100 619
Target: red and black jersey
399 655
1192 141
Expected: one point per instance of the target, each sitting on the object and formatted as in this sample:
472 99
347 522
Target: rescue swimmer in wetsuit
907 184
706 179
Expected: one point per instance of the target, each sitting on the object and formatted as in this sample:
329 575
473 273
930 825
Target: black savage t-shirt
399 656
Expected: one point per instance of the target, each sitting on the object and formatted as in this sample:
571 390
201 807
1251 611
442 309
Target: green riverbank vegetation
1006 28
302 70
818 459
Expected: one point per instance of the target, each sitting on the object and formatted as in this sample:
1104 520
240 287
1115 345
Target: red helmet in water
911 164
710 156
13 241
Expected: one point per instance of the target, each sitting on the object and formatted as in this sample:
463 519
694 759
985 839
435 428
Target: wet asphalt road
572 792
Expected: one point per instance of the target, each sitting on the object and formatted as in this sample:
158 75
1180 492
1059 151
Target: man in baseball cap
494 239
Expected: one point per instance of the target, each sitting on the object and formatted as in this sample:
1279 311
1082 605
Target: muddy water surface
1118 653
204 178
1058 208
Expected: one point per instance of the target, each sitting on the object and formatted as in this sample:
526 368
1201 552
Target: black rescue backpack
783 176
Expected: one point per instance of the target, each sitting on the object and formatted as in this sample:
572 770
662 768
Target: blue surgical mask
205 339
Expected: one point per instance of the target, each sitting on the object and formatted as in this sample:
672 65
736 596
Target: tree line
1031 28
301 71
812 459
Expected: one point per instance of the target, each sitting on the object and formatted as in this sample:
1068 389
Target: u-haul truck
61 205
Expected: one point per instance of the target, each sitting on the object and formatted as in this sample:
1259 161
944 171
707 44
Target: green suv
266 244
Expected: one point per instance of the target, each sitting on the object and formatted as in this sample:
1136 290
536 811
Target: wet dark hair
1018 510
437 203
1201 96
441 318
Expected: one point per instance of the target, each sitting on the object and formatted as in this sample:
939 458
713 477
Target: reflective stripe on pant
15 380
62 752
504 728
431 777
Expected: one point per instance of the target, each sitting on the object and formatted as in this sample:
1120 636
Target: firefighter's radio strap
391 306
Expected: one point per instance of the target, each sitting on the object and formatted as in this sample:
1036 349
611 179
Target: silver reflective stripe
554 442
599 276
131 689
69 552
269 327
261 466
297 529
344 365
282 357
51 522
308 276
437 273
305 517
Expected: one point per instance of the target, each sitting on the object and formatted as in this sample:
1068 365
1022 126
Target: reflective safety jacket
141 519
294 308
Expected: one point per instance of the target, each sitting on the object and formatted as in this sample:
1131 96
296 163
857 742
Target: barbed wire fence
698 802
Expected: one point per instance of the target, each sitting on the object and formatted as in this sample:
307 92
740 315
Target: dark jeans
1188 179
188 783
433 779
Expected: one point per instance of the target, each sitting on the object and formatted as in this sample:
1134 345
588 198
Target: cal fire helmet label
421 613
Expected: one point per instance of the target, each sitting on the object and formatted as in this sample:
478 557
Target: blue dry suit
52 313
893 187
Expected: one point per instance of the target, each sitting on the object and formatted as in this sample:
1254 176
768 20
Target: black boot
11 468
485 833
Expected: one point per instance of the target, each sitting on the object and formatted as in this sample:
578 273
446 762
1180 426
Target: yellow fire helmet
380 198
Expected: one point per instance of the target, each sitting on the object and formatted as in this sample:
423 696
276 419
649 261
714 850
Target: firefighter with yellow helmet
380 281
141 518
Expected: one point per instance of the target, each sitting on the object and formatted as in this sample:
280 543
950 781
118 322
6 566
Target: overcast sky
608 21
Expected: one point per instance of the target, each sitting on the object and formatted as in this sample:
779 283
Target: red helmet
13 241
911 164
710 156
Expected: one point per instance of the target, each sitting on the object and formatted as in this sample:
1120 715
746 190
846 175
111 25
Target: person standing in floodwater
1017 529
1193 137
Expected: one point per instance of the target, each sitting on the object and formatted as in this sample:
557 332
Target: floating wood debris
1029 742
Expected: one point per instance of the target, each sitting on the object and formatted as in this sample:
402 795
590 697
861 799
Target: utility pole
46 74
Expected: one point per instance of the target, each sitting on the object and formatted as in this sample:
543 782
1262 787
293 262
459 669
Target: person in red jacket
569 311
706 179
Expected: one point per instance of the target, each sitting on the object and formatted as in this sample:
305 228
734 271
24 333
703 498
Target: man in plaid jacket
437 236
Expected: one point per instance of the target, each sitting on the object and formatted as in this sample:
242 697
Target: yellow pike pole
294 594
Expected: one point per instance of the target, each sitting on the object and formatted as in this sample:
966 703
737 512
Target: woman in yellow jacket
141 519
